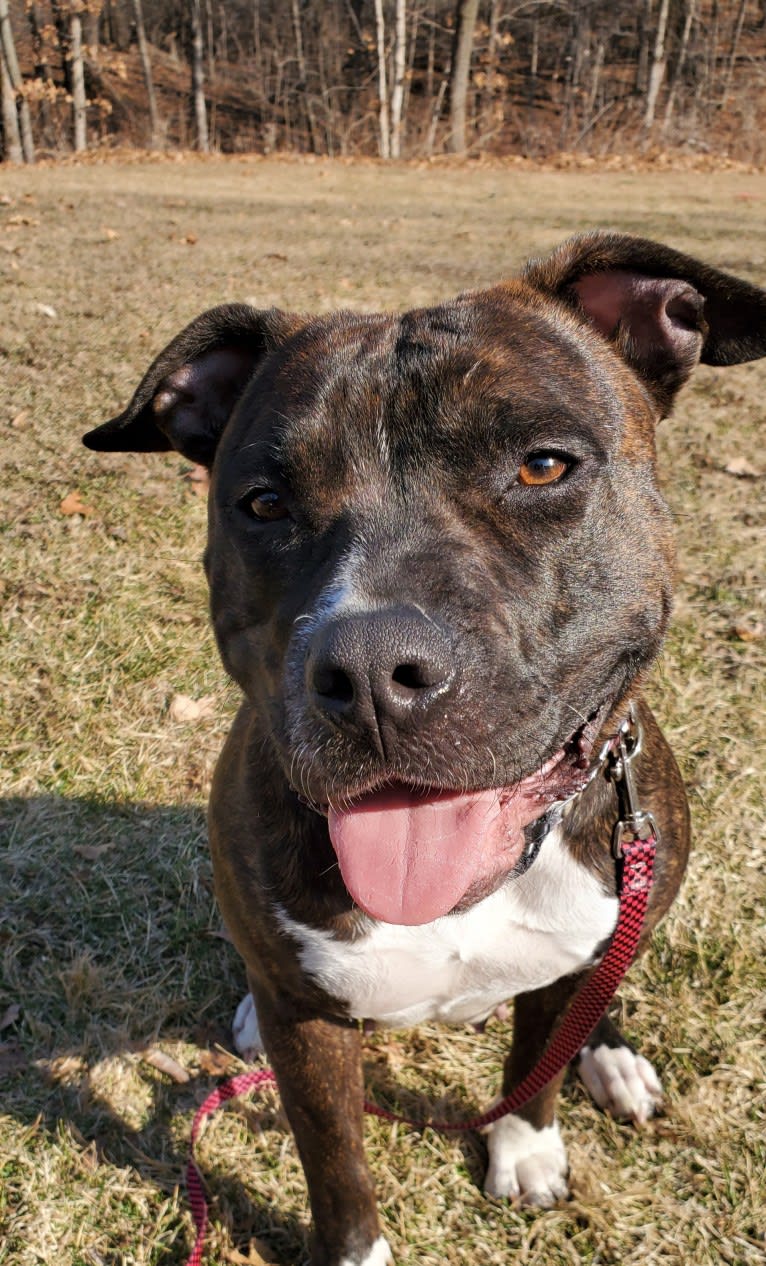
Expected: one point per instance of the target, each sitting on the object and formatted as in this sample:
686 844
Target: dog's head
438 556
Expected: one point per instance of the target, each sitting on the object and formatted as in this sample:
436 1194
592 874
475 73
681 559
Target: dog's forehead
468 374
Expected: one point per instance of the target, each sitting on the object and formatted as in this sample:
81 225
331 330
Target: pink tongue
409 858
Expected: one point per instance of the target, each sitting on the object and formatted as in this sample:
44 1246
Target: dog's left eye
266 505
542 468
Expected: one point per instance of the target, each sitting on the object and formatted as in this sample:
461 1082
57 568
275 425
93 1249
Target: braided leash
589 1004
634 845
634 885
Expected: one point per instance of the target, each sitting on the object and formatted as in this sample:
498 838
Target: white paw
621 1082
526 1164
379 1255
245 1030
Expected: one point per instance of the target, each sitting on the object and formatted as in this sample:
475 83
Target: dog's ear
188 394
663 311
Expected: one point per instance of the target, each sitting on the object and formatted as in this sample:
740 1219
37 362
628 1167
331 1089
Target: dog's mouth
409 854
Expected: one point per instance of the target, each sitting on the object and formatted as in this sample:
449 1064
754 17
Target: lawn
117 985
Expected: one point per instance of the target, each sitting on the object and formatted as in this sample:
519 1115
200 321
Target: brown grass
109 940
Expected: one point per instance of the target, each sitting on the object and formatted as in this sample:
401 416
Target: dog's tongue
406 857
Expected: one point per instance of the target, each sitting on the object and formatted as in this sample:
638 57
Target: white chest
538 927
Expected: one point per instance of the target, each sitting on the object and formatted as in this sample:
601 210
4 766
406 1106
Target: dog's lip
562 775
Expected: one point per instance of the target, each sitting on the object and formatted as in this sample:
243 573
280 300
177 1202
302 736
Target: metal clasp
634 823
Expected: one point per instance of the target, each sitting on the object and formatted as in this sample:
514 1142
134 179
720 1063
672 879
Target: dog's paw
526 1164
621 1082
378 1255
245 1030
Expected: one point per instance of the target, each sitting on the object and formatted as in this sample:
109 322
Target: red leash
634 844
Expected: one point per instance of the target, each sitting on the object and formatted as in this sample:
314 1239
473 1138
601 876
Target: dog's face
418 564
438 555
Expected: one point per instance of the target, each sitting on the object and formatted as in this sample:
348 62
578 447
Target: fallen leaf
21 420
258 1254
216 1063
277 255
742 469
184 708
109 234
74 504
166 1064
47 310
10 1015
190 239
91 852
746 632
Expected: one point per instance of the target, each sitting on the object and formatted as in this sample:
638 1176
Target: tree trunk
436 113
79 100
92 19
146 66
21 106
533 64
657 72
301 58
733 52
489 86
42 66
400 66
210 42
642 62
467 12
380 30
198 77
12 151
681 61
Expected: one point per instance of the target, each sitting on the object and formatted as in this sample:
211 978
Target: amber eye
542 468
267 505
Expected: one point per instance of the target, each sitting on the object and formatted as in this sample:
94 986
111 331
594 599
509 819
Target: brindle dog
440 566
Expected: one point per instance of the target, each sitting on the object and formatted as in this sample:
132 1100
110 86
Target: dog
440 567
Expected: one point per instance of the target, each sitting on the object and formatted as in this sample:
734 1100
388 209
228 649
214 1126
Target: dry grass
109 940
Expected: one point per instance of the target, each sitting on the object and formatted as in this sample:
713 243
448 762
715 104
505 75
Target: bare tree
16 83
198 77
397 92
657 72
467 12
737 33
79 100
691 6
302 71
383 123
146 66
12 151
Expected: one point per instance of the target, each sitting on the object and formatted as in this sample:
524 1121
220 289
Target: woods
392 78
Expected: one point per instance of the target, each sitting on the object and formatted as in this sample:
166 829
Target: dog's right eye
266 505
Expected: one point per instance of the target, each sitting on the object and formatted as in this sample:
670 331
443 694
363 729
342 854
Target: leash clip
634 823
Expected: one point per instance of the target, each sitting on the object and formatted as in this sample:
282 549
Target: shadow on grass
110 941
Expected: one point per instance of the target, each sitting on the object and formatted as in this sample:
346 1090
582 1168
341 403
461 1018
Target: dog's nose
379 667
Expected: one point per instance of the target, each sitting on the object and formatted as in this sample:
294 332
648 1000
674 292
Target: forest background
387 78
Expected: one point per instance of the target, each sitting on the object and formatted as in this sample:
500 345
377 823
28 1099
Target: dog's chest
538 927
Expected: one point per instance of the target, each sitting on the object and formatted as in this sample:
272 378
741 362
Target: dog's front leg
527 1157
318 1067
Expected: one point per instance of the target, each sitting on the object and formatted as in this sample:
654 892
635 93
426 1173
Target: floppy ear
189 393
663 311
